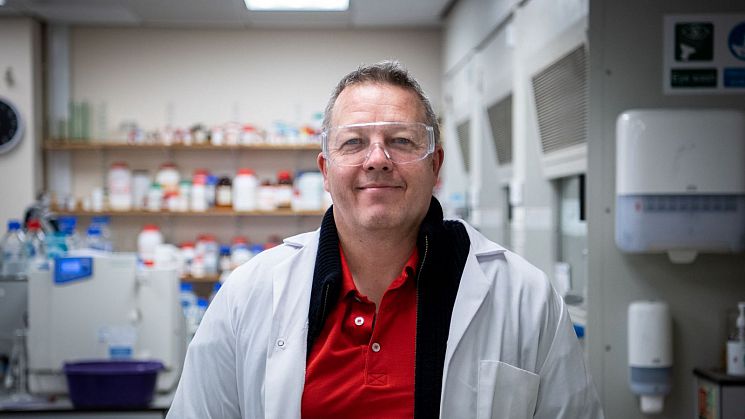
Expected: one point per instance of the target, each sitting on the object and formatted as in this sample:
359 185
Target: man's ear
322 166
437 158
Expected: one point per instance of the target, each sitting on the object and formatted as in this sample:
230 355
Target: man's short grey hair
389 72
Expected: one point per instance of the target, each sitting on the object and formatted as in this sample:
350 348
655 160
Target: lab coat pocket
505 391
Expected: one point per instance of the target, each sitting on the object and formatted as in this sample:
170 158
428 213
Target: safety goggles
401 142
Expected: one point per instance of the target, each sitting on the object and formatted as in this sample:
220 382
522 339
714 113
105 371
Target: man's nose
377 158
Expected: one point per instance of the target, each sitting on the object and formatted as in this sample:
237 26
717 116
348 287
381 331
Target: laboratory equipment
718 395
736 345
13 292
83 307
680 182
650 346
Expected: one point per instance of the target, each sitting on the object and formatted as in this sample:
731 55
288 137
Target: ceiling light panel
298 5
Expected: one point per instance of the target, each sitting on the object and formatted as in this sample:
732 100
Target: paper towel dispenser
680 182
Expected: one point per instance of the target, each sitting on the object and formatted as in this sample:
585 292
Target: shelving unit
82 164
75 145
213 212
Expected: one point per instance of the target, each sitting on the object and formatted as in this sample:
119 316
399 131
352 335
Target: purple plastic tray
123 384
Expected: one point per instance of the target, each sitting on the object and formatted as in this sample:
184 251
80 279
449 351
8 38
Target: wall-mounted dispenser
680 182
650 353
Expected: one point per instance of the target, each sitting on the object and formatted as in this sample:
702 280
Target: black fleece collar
443 248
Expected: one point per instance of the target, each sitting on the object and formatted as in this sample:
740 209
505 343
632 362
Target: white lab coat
511 353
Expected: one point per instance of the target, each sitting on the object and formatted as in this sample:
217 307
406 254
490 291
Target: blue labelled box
734 77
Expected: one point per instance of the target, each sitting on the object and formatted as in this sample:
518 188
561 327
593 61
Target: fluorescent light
298 5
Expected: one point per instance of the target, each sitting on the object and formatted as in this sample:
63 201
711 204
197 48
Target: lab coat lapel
286 351
474 287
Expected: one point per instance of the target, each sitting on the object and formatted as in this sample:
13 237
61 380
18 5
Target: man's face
379 195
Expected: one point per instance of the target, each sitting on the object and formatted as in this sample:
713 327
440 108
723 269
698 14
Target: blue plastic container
120 384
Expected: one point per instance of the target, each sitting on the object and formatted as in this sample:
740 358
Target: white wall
213 76
182 77
20 169
626 72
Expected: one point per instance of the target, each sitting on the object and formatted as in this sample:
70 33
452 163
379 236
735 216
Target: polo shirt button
376 347
359 321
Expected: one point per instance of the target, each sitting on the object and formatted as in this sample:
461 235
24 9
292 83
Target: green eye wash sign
704 54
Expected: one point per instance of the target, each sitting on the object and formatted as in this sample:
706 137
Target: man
386 311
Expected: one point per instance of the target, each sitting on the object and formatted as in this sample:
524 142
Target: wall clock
11 126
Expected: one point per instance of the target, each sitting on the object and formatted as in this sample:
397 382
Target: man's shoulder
510 268
258 270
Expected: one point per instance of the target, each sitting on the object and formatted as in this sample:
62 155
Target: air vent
500 119
561 101
464 141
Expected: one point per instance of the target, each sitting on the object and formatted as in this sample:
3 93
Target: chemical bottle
94 239
103 222
35 239
56 244
215 289
184 196
207 248
148 239
14 250
256 249
211 190
187 256
168 177
265 198
120 187
199 191
283 190
67 226
240 252
189 306
225 265
245 190
736 344
224 193
155 197
202 304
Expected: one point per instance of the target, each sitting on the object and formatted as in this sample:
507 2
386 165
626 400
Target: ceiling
227 13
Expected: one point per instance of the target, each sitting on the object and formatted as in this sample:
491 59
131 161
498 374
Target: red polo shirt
362 363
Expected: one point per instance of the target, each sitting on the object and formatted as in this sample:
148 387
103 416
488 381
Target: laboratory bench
61 408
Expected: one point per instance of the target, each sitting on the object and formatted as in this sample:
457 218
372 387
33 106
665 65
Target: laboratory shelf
213 212
206 278
80 145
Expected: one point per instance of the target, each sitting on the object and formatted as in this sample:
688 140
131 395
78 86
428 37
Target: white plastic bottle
148 239
120 187
155 197
245 190
14 250
736 345
168 177
266 197
208 250
199 191
240 253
